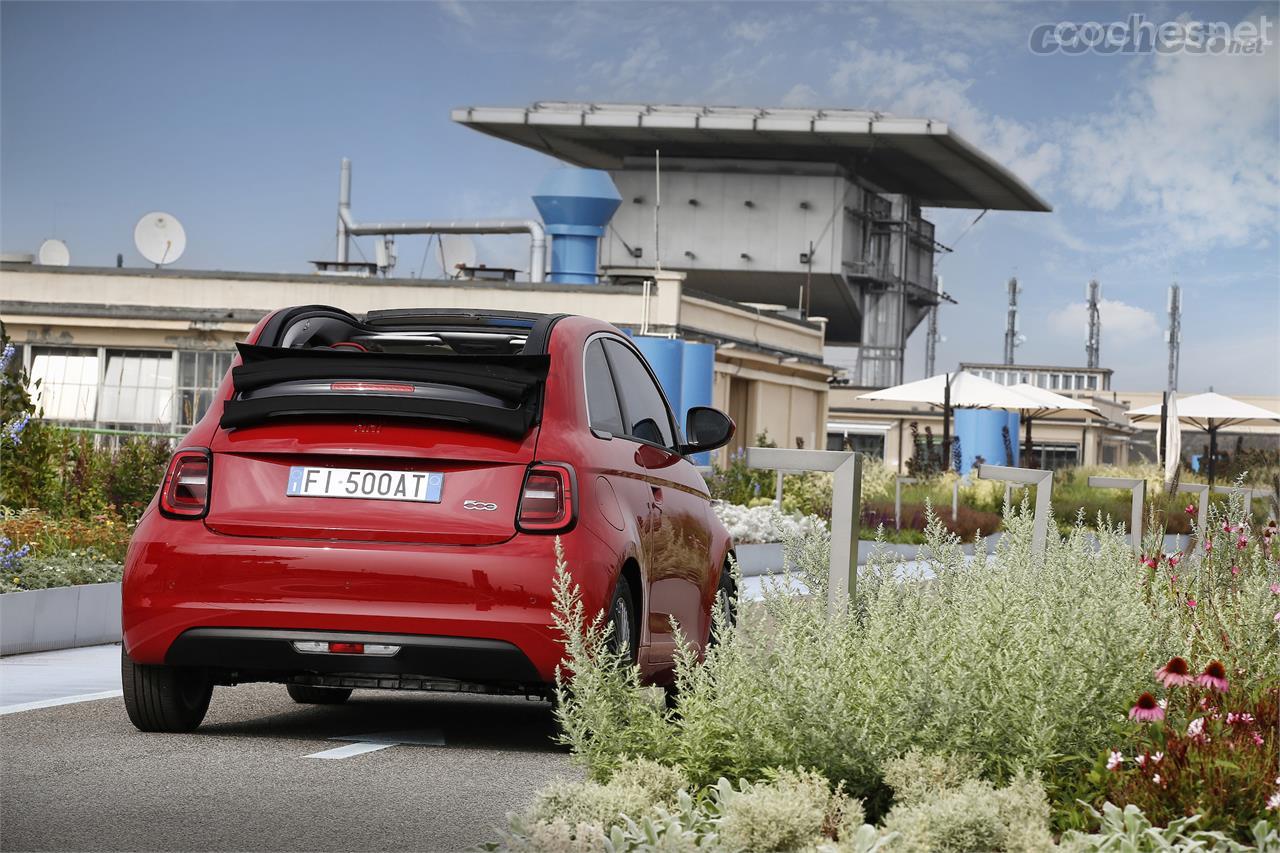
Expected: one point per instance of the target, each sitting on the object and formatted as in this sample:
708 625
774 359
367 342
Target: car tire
162 698
622 619
727 597
306 694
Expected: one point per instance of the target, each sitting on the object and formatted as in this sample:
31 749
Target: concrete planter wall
40 620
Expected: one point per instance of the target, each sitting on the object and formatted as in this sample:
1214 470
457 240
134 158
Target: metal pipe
532 227
344 211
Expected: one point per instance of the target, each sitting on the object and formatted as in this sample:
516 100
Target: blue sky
234 116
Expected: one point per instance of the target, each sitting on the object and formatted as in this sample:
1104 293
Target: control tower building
815 209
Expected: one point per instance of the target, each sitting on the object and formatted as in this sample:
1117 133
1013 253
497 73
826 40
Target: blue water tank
981 433
697 378
576 206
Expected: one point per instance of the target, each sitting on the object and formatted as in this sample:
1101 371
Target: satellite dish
54 253
456 250
160 238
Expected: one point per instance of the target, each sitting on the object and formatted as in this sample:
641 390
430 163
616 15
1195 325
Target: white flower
1196 728
1114 760
1273 802
1155 759
1140 760
1156 778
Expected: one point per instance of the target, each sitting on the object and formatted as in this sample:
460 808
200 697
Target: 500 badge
480 505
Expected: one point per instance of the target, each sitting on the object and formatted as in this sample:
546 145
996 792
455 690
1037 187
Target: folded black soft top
515 380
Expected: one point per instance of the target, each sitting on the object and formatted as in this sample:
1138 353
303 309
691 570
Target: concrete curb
41 620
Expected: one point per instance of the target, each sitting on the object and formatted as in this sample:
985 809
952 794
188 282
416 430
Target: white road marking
373 741
349 750
62 700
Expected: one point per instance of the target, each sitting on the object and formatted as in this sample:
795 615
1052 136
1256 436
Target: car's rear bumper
424 662
181 580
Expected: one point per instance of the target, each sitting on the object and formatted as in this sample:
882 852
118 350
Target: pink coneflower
1191 603
1226 527
1242 543
1175 673
1174 558
1215 676
1114 760
1146 710
1257 739
1191 509
1235 570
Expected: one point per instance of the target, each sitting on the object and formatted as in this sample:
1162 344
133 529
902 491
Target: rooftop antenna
160 238
1011 337
1174 333
1093 344
54 253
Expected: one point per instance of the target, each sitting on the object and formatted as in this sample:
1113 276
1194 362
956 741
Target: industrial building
769 262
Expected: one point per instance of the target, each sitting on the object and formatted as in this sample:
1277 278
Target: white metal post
1042 480
1137 494
955 502
846 488
897 500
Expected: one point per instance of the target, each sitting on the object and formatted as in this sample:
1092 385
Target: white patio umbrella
1044 403
1210 412
1169 442
958 390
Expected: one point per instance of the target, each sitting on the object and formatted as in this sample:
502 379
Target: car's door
666 488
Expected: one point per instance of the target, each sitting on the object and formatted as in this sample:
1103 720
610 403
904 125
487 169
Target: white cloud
800 95
889 80
456 10
1120 321
1192 144
754 31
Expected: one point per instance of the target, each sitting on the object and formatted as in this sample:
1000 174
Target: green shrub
1020 662
66 568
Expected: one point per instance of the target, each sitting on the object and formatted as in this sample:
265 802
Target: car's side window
602 399
644 412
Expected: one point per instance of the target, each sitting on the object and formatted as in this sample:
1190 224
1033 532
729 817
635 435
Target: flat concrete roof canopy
918 157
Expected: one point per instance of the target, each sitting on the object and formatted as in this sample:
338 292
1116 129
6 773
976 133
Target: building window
64 382
1055 380
199 374
1055 456
137 388
872 445
1093 382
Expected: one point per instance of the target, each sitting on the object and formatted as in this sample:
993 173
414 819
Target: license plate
309 482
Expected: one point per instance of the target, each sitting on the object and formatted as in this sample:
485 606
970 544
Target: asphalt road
80 777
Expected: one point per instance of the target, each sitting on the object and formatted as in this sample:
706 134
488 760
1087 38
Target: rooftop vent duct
576 206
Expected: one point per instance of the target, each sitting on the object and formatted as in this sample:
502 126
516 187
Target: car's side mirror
706 429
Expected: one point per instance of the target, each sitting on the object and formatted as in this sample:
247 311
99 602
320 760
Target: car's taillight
548 498
185 493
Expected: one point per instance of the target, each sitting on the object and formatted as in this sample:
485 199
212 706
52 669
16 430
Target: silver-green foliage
1013 661
940 807
1127 830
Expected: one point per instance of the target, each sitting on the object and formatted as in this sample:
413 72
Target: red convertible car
373 502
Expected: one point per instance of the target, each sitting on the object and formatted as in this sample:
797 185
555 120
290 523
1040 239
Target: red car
374 502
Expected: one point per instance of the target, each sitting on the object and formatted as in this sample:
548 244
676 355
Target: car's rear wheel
625 636
306 694
164 698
